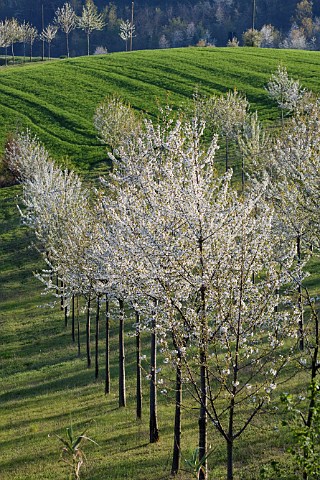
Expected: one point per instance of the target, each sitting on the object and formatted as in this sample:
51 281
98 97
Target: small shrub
100 51
234 42
251 38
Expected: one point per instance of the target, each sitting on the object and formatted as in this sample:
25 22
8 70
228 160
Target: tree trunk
78 327
138 361
122 373
177 421
61 295
67 38
72 320
88 43
12 52
88 333
107 379
203 420
97 338
64 305
153 424
227 154
300 299
65 308
230 460
314 392
242 173
49 50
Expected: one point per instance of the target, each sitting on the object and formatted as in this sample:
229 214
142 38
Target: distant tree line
268 23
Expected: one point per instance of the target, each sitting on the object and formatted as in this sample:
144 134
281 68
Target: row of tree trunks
153 424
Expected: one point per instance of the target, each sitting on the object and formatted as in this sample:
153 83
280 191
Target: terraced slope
57 100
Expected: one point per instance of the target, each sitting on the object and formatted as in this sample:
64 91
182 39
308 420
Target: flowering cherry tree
90 20
48 34
226 115
286 91
66 19
186 240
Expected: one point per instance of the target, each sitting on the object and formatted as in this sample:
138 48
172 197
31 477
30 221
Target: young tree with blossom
31 35
5 37
10 33
115 121
90 21
287 92
127 30
48 35
226 115
66 19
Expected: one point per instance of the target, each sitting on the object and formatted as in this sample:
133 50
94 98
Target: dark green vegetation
174 23
42 380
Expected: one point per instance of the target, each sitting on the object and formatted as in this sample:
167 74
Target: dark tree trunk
65 309
63 304
88 333
97 338
78 328
300 299
203 418
242 173
227 154
107 379
61 295
230 460
122 373
153 424
314 391
177 421
88 43
138 361
230 438
72 320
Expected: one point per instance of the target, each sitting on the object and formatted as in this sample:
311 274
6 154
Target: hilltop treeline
161 24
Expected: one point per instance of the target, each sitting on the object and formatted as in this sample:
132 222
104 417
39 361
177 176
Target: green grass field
42 381
57 99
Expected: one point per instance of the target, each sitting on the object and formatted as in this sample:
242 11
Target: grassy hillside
42 380
57 100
